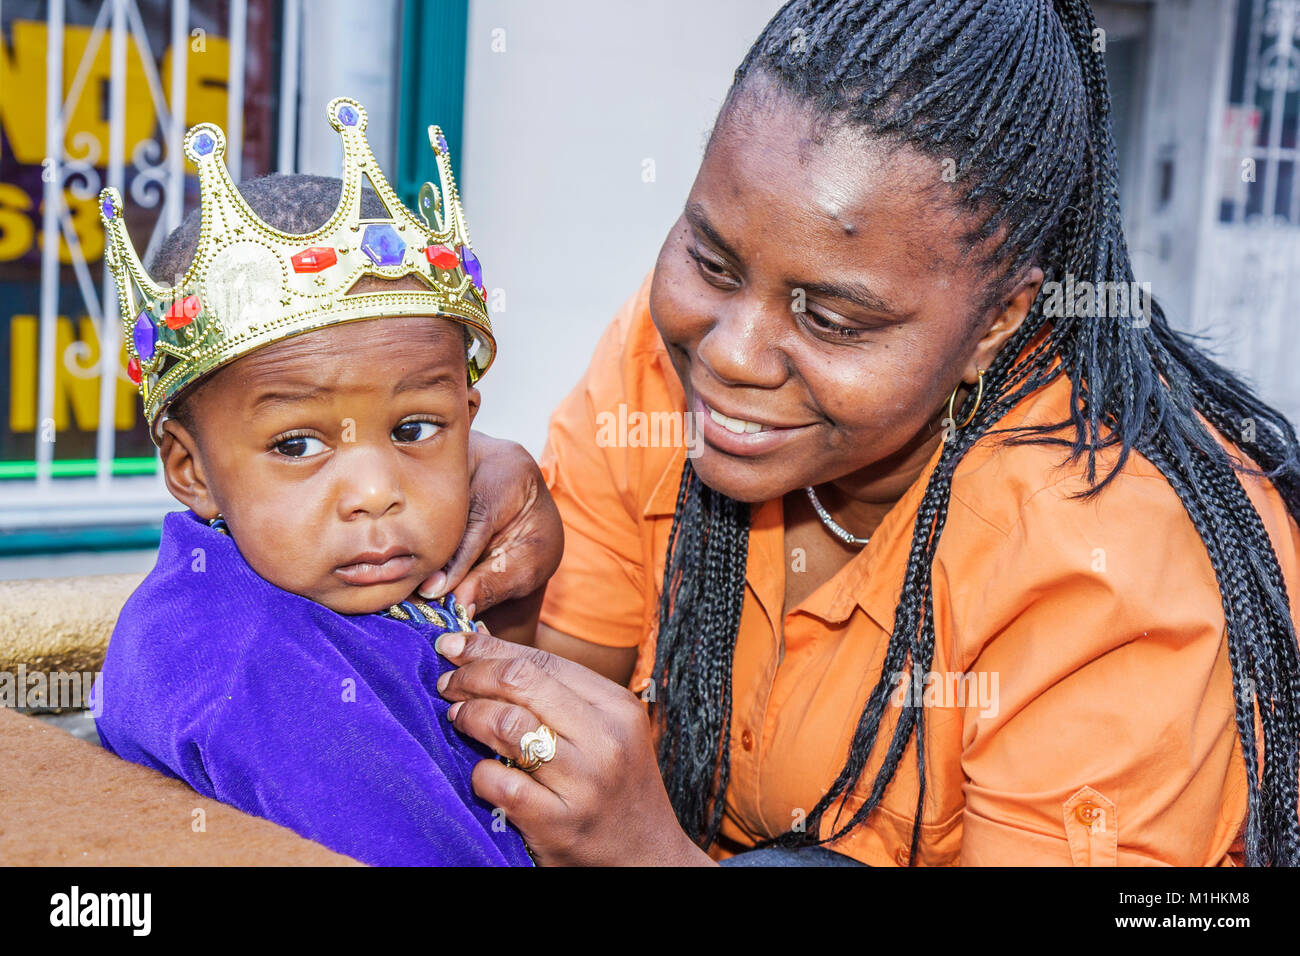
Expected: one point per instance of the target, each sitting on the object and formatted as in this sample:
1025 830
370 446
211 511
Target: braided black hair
1015 93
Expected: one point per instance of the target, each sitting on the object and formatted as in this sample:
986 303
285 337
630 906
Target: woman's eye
300 446
708 266
834 328
414 431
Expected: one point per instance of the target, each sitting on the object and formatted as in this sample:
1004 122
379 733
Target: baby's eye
414 431
300 446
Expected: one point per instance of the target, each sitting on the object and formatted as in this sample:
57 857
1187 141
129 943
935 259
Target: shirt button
1085 812
747 740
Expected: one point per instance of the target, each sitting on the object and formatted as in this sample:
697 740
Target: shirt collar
872 580
663 500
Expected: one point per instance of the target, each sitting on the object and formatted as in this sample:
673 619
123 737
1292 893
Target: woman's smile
742 436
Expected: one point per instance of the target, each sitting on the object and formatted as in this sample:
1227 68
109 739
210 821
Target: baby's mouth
377 567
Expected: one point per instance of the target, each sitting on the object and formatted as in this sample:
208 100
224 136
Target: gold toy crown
250 285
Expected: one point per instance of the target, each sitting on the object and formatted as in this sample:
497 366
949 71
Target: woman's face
816 297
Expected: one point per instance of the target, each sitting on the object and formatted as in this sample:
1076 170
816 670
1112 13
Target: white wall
558 126
348 49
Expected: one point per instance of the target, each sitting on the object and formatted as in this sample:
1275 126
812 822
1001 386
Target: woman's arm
614 663
601 800
597 601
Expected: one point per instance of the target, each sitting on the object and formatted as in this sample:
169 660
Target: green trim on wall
79 467
432 89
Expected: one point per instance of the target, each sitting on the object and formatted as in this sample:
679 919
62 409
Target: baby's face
338 458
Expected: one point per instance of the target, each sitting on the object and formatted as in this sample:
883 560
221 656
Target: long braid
699 611
1015 93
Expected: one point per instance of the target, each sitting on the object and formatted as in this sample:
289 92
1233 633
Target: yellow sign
76 379
22 116
22 77
87 75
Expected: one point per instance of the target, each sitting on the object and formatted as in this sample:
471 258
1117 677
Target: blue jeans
783 856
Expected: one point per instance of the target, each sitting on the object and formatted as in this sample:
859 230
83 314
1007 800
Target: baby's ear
183 470
474 400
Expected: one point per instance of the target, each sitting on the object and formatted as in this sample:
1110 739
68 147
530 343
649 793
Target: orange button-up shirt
1079 705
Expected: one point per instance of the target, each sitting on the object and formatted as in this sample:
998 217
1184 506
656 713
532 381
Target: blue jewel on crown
382 244
145 336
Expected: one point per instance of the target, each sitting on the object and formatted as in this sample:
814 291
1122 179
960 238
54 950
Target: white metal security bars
47 500
1249 262
1261 166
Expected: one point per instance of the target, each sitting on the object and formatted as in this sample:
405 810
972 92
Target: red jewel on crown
442 257
183 312
315 259
133 369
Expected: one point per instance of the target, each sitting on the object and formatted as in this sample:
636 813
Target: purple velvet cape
329 724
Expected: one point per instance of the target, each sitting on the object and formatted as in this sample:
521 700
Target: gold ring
537 748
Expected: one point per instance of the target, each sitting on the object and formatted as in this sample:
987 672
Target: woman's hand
600 801
514 538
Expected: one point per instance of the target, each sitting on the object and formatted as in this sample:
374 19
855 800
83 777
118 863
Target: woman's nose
368 483
740 348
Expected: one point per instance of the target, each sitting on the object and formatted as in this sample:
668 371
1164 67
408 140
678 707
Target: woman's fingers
507 570
520 687
461 647
527 541
503 726
601 799
529 806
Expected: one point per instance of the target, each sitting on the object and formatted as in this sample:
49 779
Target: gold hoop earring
979 395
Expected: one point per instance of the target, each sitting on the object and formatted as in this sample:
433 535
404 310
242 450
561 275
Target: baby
309 383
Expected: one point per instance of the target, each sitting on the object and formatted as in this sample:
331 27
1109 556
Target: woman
956 575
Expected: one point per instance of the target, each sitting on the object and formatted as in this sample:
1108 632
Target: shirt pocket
1092 828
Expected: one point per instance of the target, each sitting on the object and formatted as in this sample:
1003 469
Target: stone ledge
61 624
66 802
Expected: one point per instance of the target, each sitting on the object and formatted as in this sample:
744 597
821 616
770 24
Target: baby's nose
369 484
